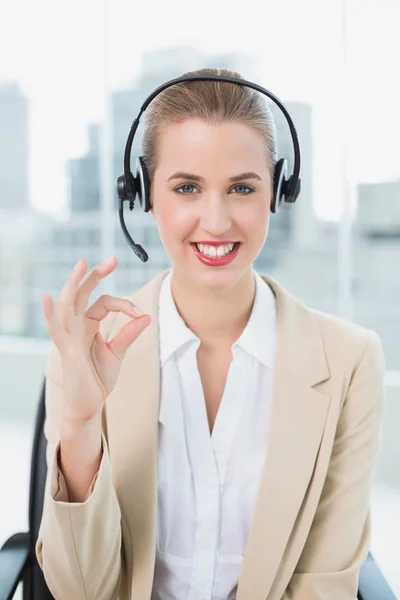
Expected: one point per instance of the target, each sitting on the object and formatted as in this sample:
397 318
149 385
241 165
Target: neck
217 317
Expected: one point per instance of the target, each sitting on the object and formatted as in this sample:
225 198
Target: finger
90 282
128 334
65 302
106 304
57 332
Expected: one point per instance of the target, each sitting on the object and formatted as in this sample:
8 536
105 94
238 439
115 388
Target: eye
180 189
243 189
247 188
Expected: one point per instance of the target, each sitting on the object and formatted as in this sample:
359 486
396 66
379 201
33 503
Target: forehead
216 143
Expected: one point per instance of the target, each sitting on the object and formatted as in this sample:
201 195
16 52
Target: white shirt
207 485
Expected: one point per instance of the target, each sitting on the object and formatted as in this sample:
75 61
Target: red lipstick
216 262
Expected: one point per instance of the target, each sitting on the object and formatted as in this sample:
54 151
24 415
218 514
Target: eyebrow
192 177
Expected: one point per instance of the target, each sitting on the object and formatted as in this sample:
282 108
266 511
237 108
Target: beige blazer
310 531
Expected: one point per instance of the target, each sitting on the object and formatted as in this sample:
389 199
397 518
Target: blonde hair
211 102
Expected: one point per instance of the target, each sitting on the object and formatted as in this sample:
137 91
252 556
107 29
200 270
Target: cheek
254 218
174 219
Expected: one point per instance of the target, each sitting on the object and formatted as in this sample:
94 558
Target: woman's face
200 192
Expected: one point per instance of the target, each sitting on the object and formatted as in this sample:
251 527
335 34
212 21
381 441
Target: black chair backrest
34 584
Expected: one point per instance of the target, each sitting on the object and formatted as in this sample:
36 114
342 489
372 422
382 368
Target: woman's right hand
90 365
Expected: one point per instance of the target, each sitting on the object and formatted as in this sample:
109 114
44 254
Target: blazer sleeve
79 544
338 542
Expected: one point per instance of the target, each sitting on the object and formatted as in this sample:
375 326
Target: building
14 148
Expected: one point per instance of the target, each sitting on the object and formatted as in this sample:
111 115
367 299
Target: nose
216 218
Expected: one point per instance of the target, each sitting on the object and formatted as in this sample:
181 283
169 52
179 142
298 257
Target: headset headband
128 186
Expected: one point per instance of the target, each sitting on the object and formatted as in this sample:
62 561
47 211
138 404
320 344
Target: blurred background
72 79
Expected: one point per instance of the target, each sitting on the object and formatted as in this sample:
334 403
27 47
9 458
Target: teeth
214 252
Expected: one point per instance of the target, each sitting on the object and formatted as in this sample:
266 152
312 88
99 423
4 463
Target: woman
222 444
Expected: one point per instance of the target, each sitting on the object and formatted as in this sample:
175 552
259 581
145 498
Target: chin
216 281
215 278
190 268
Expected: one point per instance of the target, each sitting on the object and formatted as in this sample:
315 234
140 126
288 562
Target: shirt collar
173 330
258 337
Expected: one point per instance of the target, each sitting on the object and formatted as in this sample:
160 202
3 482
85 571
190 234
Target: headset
128 186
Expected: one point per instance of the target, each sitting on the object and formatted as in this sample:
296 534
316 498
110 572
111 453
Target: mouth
214 249
215 254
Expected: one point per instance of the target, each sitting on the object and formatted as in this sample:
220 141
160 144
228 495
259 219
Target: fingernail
77 265
108 261
138 311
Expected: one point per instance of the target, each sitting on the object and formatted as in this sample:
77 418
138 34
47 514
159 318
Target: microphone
137 248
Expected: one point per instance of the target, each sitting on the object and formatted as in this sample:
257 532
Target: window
75 77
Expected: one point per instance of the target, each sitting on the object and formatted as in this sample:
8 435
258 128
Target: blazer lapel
298 421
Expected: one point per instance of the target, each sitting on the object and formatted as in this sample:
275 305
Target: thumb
128 334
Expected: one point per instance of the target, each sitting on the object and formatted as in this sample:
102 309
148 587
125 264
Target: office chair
18 561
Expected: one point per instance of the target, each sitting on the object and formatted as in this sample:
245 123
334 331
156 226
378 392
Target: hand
90 365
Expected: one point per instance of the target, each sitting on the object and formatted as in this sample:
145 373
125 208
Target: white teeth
214 252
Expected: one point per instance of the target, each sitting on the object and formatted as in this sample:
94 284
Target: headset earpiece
280 184
143 184
298 189
122 188
140 186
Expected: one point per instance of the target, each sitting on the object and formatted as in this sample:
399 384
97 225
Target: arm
80 455
79 543
339 538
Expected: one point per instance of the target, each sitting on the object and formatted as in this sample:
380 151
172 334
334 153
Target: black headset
129 186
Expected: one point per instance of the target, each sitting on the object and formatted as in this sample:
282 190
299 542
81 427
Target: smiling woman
213 135
230 452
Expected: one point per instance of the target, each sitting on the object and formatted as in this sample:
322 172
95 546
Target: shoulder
344 337
339 330
344 343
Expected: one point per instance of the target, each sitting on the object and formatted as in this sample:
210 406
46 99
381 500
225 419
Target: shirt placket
205 477
238 390
238 387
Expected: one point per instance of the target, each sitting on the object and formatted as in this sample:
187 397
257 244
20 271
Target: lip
205 243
